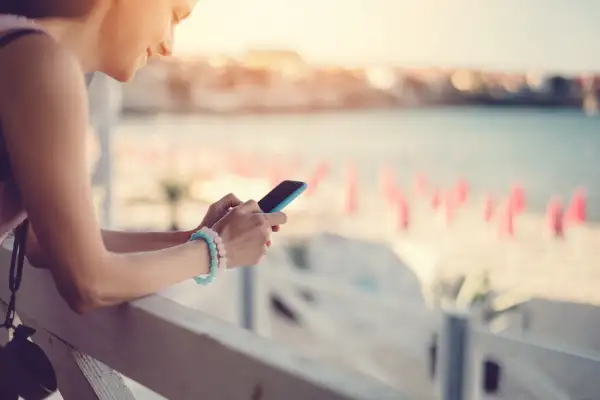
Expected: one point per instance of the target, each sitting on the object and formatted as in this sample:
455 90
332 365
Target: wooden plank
183 354
532 365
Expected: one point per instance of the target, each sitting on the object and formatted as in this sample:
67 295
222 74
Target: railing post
247 298
255 301
452 359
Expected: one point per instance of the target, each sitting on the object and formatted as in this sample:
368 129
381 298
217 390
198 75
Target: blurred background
452 155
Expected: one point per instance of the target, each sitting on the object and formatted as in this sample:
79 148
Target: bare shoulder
35 66
42 92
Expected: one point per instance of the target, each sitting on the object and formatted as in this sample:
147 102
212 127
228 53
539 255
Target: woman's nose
166 48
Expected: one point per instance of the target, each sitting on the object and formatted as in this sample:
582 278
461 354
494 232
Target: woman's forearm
124 277
163 259
131 276
115 242
136 242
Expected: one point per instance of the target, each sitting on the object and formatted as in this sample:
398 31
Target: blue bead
213 255
203 280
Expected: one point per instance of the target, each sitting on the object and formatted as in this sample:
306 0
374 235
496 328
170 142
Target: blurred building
282 80
285 61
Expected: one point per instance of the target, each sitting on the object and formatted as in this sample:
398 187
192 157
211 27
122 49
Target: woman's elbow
82 304
79 284
81 294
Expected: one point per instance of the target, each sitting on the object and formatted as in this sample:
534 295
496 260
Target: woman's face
135 30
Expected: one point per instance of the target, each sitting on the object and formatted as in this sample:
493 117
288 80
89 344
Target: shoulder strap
15 34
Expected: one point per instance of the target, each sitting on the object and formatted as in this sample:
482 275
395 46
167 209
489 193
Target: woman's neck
79 36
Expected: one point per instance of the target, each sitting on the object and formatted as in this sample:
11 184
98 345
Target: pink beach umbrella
489 208
461 192
403 217
517 199
555 218
577 212
351 191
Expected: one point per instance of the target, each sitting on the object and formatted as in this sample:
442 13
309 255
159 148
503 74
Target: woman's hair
37 9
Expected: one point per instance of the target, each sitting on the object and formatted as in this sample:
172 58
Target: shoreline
131 112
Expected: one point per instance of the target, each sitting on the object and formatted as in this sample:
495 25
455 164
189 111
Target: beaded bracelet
216 251
220 247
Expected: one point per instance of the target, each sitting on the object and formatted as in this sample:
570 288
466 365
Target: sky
547 35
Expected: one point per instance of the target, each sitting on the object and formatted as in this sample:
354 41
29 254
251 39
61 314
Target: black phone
282 195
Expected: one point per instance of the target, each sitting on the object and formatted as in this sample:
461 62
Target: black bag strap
15 34
17 261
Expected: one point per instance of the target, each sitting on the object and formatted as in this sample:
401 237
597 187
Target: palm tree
180 88
174 191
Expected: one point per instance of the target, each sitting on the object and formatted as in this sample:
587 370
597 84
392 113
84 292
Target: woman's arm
115 242
133 242
44 115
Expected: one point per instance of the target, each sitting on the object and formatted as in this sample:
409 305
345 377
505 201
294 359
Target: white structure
105 98
175 351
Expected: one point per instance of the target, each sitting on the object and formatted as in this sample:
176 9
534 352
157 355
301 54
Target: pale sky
503 34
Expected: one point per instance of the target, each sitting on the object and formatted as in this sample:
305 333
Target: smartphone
282 195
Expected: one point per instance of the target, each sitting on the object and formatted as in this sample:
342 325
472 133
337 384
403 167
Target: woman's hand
246 230
219 209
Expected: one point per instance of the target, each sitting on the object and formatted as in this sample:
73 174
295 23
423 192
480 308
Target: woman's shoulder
33 57
11 26
38 76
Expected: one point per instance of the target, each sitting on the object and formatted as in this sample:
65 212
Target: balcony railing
173 350
181 353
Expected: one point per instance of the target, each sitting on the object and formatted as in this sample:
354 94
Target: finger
250 207
229 201
265 249
268 244
275 218
275 228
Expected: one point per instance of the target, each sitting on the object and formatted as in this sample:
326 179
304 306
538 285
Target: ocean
549 152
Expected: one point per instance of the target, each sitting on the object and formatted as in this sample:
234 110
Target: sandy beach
530 262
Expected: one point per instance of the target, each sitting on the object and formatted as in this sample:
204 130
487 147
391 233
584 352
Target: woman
43 174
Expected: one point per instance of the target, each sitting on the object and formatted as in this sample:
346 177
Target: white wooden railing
175 351
532 368
181 353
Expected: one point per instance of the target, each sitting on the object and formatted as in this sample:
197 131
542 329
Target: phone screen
282 194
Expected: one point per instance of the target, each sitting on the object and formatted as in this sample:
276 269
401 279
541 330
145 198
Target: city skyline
512 35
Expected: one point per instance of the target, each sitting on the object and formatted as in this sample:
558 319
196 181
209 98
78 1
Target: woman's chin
125 72
124 75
